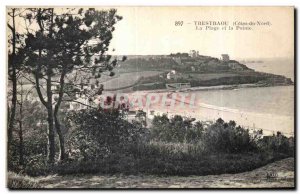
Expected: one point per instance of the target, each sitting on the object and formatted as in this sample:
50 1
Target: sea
267 108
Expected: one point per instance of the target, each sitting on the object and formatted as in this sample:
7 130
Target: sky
152 30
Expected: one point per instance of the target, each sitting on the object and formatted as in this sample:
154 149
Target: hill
198 71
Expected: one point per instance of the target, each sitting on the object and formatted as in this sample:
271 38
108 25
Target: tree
22 95
63 45
12 70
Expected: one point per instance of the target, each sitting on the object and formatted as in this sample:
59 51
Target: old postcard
150 97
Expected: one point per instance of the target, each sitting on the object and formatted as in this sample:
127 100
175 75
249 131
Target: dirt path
253 179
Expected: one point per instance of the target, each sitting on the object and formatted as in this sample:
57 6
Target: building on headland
225 57
172 75
194 53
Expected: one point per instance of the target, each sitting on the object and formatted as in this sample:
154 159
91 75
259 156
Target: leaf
80 11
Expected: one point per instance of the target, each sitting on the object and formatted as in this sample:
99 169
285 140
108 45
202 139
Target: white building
194 53
172 75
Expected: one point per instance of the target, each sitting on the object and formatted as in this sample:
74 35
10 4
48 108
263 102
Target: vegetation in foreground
16 181
103 142
252 179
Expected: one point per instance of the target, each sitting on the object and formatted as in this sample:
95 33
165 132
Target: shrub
226 137
277 144
37 165
34 134
218 137
103 142
183 159
96 135
176 129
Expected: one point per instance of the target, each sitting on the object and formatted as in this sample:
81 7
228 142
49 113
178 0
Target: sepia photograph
150 97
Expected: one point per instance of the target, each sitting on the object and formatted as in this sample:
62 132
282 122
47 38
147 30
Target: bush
218 137
37 165
276 144
226 137
103 142
96 135
183 159
176 129
34 134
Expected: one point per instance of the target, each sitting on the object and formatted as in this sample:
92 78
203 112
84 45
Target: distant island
188 70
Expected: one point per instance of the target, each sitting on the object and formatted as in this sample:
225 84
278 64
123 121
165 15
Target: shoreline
208 88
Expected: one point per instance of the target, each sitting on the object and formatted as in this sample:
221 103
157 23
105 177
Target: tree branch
37 84
10 27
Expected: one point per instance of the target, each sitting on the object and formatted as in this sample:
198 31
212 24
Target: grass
207 76
252 179
17 181
128 79
178 159
189 159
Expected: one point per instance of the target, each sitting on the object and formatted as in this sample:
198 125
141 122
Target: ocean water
277 100
280 66
268 108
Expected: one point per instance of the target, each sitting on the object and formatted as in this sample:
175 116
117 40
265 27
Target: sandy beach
269 122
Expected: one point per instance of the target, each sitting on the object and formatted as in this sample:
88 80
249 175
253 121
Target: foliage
176 129
97 134
226 137
33 126
184 160
218 137
61 44
37 165
102 142
277 144
220 148
178 159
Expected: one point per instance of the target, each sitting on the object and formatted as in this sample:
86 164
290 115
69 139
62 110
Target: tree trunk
21 145
51 137
57 123
61 138
13 109
48 103
14 83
